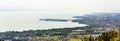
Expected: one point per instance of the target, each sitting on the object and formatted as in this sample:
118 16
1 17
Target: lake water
19 21
38 25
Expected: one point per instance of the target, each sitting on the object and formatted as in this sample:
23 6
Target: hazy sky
57 7
60 5
26 11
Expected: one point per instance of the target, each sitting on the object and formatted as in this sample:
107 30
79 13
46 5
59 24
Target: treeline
107 36
53 32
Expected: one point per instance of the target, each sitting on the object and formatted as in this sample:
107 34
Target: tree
118 35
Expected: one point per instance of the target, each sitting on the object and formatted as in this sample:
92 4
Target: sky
52 8
59 5
26 11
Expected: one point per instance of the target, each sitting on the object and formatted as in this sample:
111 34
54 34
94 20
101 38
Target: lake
20 25
19 21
